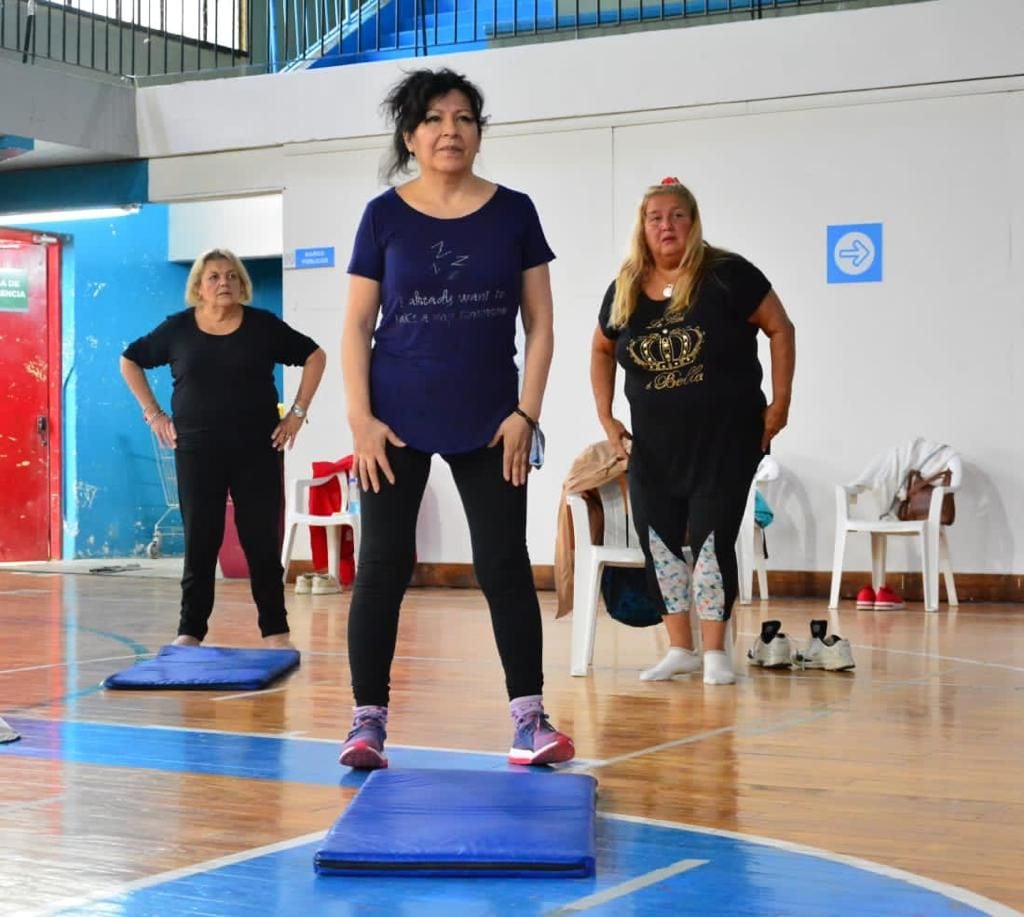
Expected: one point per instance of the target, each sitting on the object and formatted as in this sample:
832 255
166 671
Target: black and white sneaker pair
774 650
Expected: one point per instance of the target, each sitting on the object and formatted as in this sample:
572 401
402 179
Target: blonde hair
697 255
195 276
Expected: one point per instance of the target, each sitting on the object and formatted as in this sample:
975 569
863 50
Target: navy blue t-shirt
442 371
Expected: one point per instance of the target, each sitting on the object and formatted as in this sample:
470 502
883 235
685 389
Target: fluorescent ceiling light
59 216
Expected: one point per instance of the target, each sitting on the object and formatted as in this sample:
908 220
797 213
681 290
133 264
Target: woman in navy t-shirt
441 269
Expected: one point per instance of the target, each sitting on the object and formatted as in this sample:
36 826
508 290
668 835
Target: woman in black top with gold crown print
682 318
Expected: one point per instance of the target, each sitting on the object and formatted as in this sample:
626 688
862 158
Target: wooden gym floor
893 789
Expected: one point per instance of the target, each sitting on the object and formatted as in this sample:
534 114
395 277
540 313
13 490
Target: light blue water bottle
353 493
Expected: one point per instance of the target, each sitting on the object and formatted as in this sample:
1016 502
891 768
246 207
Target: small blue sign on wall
854 253
314 257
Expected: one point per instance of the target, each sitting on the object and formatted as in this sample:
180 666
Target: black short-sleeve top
224 384
701 367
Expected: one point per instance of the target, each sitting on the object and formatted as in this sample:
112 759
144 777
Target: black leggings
252 474
496 512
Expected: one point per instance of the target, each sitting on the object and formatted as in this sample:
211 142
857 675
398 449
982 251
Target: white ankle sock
677 661
718 668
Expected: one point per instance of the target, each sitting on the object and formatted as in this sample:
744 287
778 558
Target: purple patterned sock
523 708
370 712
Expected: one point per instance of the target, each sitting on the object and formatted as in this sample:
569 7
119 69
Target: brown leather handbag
918 500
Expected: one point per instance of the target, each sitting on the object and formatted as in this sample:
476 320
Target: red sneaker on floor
887 599
866 598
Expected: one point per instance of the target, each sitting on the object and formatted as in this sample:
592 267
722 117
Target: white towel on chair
886 475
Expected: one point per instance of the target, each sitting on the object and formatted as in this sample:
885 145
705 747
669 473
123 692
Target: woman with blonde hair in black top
681 318
225 430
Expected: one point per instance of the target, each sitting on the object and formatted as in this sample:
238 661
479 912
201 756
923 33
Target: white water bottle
353 492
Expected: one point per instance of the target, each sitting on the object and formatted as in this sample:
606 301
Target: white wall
933 350
251 227
903 45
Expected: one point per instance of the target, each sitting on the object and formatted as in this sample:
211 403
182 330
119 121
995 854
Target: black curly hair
407 103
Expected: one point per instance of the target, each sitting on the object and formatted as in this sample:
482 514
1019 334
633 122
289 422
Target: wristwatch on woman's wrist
299 411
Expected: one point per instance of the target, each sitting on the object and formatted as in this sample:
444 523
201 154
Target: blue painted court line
741 876
738 878
288 760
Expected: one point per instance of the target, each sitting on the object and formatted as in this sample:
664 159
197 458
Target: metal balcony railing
175 39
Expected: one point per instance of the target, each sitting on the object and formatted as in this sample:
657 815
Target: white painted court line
181 873
257 693
445 659
78 662
711 733
954 892
958 659
626 888
156 727
296 735
8 807
925 655
988 906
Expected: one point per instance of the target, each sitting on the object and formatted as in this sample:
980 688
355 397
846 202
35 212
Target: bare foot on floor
186 640
279 642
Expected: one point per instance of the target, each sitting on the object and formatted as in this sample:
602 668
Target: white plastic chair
621 548
930 533
297 514
750 541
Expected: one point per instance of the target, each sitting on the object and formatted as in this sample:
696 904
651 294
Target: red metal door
29 396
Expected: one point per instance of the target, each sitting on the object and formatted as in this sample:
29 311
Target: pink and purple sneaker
538 742
364 747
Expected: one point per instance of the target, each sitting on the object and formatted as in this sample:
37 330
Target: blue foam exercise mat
464 824
206 668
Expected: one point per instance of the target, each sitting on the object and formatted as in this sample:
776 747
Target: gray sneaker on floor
325 584
772 649
825 651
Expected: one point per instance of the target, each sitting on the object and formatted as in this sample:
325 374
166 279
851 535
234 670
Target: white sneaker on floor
304 584
325 584
826 651
772 649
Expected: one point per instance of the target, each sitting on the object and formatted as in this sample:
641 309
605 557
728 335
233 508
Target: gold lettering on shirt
676 379
671 351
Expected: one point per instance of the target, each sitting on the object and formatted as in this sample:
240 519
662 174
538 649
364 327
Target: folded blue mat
207 668
465 823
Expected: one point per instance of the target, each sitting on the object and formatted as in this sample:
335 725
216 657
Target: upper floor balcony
149 41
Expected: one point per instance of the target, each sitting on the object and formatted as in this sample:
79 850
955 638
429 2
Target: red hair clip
671 180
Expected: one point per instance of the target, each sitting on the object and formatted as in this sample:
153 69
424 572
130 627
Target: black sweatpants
251 473
496 512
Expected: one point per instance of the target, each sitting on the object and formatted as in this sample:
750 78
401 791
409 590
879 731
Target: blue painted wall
118 285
